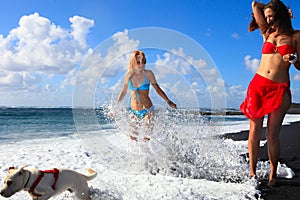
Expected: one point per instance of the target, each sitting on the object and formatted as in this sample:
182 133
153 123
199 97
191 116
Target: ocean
17 124
185 159
20 123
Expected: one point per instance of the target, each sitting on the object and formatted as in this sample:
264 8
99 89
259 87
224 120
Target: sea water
17 124
185 159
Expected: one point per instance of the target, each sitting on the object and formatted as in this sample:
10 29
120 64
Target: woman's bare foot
133 138
253 177
146 139
271 183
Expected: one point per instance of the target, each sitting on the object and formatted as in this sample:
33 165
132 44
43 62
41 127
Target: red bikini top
269 48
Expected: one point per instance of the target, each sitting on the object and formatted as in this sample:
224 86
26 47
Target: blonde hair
134 60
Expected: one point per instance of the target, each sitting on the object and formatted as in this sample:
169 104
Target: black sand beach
290 155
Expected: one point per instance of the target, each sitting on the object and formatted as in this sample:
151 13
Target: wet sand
290 155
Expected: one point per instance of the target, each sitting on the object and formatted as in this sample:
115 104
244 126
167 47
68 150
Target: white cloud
70 79
48 88
251 64
204 81
172 63
96 65
81 28
38 49
18 81
236 91
208 32
235 35
176 61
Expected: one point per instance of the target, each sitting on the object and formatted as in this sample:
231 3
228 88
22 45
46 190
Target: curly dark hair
282 19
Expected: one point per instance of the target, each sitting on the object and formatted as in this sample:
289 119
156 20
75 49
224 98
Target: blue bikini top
144 86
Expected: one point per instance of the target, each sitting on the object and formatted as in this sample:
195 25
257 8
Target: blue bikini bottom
141 113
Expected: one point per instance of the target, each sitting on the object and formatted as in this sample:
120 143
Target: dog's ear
10 169
21 169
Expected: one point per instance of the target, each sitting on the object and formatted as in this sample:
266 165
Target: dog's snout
3 193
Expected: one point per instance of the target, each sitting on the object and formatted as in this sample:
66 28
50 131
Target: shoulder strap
145 80
267 36
55 172
36 182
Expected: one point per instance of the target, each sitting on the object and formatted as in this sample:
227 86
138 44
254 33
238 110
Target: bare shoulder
296 37
296 34
148 72
150 75
127 76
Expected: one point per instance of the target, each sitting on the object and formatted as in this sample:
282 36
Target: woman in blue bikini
137 80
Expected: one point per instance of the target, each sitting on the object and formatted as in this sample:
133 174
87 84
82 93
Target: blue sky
43 44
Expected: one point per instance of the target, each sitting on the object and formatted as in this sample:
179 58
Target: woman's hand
114 109
289 58
172 105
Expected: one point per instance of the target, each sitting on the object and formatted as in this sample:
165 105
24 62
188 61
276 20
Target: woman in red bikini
268 92
138 79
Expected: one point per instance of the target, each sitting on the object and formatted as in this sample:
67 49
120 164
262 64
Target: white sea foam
111 183
177 163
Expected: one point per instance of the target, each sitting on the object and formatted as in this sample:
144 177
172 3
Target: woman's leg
253 143
274 124
149 124
141 124
134 126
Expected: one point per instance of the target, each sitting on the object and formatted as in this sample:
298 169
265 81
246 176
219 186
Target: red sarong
263 97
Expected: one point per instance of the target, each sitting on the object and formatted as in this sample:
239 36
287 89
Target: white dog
42 185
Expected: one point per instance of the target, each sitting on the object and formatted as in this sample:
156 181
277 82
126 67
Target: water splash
189 146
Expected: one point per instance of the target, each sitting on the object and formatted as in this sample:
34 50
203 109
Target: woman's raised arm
258 14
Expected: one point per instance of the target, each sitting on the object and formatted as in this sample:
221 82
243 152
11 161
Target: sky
57 53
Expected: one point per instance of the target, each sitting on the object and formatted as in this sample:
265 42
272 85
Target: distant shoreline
294 109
